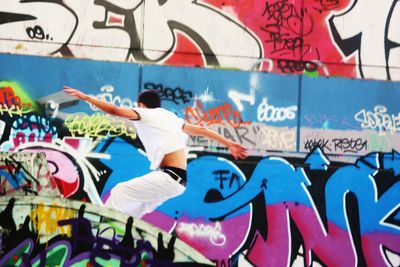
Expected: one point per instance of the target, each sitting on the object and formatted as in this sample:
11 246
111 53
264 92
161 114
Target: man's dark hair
150 98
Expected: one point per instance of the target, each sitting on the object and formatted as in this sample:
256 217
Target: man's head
150 99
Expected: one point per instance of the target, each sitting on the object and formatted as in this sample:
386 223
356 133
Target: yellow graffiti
14 110
97 125
45 219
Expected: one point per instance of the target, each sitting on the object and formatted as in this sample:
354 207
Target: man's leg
144 194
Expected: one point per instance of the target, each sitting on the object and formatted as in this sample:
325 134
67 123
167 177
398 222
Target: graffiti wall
318 37
40 231
322 178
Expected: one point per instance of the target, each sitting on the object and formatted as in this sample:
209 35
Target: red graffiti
197 115
8 97
22 138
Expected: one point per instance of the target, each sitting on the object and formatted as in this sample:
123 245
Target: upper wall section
347 38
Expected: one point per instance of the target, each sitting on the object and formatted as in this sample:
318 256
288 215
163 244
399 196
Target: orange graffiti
197 115
45 219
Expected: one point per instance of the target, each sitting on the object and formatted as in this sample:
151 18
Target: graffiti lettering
274 139
37 33
34 122
214 233
238 97
324 121
282 27
329 4
296 66
107 95
13 110
223 175
46 218
374 53
97 125
17 176
170 94
32 128
287 196
321 143
240 134
285 27
379 119
197 115
349 145
244 134
266 112
76 245
280 11
8 97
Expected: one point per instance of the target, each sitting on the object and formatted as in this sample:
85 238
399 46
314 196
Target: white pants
143 194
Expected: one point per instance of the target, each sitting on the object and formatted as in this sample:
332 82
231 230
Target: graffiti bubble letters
106 95
197 115
202 230
34 122
371 46
170 94
97 125
379 119
33 128
266 112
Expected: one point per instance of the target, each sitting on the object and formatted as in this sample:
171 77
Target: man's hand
237 150
75 92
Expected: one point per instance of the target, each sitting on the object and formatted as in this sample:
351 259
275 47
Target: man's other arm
237 150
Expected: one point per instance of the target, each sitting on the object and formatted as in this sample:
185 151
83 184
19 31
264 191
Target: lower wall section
39 231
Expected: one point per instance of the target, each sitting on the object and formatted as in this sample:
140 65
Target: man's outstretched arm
103 105
237 150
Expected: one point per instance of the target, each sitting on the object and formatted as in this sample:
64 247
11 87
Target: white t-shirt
161 133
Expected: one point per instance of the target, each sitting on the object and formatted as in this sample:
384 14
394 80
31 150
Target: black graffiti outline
353 44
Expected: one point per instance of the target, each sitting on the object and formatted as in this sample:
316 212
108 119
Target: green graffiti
56 256
15 258
12 94
377 143
312 74
102 262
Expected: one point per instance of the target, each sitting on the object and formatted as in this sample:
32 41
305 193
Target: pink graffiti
63 170
276 250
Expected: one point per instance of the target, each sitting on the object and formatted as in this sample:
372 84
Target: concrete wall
333 38
323 167
323 176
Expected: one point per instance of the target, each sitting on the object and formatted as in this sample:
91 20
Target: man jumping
164 137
